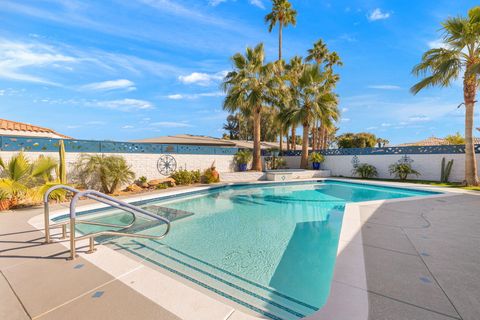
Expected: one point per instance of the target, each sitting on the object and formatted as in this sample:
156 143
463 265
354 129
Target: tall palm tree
322 56
442 66
313 97
294 70
283 14
249 87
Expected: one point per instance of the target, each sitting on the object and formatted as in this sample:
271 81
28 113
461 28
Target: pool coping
186 301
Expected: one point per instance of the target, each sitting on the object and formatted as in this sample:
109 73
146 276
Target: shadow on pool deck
421 261
37 282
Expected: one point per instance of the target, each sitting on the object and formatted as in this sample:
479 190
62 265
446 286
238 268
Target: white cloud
124 104
24 61
386 124
372 128
378 14
111 85
438 43
344 110
384 87
345 119
202 79
181 96
127 127
95 123
176 96
170 124
257 3
215 3
418 118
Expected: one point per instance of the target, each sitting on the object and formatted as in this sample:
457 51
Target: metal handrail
120 205
63 224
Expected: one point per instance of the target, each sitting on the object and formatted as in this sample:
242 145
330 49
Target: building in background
14 128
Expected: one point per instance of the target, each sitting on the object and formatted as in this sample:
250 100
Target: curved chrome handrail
120 205
63 225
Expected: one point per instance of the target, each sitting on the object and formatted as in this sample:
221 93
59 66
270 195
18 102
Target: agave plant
21 178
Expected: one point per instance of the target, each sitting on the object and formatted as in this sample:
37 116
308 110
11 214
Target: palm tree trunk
325 138
469 88
314 138
294 137
288 141
280 27
257 161
281 139
304 159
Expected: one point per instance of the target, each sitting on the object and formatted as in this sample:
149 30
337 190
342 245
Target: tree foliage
356 140
459 56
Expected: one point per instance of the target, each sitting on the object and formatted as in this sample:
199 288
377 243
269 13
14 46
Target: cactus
62 168
446 169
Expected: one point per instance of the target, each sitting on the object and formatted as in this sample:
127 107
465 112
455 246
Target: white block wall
429 165
146 164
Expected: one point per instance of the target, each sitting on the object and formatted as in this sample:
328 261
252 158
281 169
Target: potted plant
211 175
242 158
4 202
316 158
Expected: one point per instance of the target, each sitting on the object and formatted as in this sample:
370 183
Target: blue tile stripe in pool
226 295
242 279
273 303
251 185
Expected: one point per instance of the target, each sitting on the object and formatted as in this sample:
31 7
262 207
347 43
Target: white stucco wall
429 165
146 164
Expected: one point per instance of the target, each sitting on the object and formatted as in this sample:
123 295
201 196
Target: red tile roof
25 127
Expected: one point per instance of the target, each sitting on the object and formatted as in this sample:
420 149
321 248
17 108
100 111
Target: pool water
268 247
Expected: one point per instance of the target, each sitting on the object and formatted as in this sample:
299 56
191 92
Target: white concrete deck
413 258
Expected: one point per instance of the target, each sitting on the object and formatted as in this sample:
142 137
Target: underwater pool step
258 298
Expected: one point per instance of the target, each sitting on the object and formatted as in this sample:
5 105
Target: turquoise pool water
270 248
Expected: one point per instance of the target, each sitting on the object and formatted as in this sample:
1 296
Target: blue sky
123 70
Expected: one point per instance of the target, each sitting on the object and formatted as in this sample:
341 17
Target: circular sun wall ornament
166 165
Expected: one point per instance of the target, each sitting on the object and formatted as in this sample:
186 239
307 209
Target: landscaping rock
167 181
133 188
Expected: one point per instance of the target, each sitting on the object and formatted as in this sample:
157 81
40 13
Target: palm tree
283 14
442 66
106 173
249 87
322 56
294 70
20 176
313 98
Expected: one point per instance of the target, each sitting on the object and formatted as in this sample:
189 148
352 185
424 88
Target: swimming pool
268 247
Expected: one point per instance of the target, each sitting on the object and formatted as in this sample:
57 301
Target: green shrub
365 171
243 156
22 179
402 170
317 157
185 177
161 186
142 179
182 177
104 173
196 176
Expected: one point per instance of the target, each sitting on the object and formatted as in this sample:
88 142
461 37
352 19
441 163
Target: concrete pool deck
420 260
